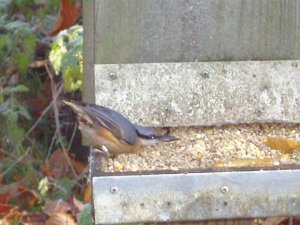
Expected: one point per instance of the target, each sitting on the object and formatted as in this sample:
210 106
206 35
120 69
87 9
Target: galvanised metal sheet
196 196
201 93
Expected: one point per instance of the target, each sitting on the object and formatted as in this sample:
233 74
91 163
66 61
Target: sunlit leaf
66 57
72 78
56 55
43 186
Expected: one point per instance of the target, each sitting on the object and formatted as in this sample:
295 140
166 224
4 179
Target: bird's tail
79 110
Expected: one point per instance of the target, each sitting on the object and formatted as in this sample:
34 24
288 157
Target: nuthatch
109 131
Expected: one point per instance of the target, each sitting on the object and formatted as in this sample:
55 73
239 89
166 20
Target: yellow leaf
87 194
246 162
283 144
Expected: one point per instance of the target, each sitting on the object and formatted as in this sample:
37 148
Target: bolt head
114 189
224 189
205 74
112 76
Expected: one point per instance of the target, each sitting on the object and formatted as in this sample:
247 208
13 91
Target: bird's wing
146 132
121 127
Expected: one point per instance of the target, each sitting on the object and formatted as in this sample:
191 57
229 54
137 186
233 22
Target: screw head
205 74
114 189
112 76
224 189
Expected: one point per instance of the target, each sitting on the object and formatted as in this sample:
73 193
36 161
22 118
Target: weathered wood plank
89 50
196 196
204 93
143 31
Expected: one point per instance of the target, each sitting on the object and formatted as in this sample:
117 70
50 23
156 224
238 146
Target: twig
16 162
56 117
72 137
45 111
51 144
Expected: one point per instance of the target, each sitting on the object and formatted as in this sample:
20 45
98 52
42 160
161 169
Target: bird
111 132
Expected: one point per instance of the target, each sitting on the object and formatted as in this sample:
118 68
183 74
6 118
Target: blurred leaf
283 144
11 90
85 216
24 56
26 198
4 197
66 57
274 220
43 186
3 107
34 219
72 78
17 26
67 16
56 55
17 133
56 206
9 212
87 193
247 162
23 112
64 190
59 218
284 158
58 166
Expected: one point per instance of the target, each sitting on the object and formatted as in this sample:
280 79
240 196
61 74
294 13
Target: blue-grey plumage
103 126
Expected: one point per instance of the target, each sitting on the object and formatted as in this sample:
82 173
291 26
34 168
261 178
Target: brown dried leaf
34 219
78 204
4 197
60 218
67 16
27 198
283 144
57 166
57 206
4 222
39 63
77 165
9 212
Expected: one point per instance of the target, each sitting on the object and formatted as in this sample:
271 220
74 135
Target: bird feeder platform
196 67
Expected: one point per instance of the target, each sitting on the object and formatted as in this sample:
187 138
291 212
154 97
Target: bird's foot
103 151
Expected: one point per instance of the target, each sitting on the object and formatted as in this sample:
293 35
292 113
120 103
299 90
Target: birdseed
203 147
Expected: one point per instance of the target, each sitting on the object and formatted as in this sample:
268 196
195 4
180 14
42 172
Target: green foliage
17 46
28 8
64 189
11 110
66 57
85 216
